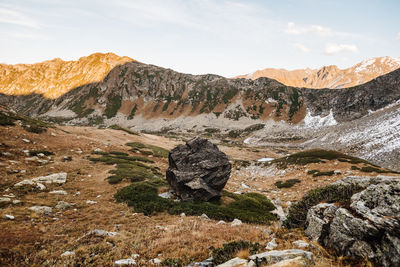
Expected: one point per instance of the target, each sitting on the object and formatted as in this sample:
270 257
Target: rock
101 233
198 170
4 201
26 140
98 150
41 209
167 195
30 183
183 214
40 186
337 172
267 232
62 205
236 222
56 178
300 244
66 158
58 192
281 255
53 134
68 254
9 217
7 154
271 244
34 158
125 262
161 227
204 217
367 229
221 222
235 262
295 262
91 202
16 201
155 261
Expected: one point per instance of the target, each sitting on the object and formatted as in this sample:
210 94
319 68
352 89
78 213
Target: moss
288 183
375 169
6 120
156 151
229 250
315 156
332 193
326 173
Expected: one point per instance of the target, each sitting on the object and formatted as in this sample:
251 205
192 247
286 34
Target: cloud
313 29
301 48
332 49
398 36
10 16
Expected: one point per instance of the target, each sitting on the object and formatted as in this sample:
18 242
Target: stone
91 202
337 172
58 192
204 217
68 254
275 256
167 195
300 244
236 222
368 228
62 205
30 183
4 201
183 214
101 233
125 262
57 178
9 217
221 222
198 170
98 150
295 262
41 209
155 261
26 140
235 262
53 134
271 244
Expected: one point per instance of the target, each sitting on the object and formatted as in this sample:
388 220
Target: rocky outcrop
368 228
198 170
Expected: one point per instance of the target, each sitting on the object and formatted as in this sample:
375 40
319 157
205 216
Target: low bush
375 169
33 153
331 193
229 250
34 129
316 173
288 183
6 120
156 151
129 131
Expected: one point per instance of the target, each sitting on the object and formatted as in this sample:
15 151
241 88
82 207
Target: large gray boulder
198 170
367 228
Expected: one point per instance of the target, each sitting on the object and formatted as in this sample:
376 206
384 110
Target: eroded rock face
198 170
368 228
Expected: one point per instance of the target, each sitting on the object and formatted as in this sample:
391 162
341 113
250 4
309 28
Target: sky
228 38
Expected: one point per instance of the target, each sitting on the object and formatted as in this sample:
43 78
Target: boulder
235 262
41 209
275 256
295 262
198 170
368 228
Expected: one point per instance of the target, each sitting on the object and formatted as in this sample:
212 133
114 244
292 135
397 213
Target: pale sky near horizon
225 37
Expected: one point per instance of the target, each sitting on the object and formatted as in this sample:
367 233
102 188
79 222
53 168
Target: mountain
330 76
53 78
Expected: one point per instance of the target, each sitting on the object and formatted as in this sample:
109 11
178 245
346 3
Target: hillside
330 76
53 78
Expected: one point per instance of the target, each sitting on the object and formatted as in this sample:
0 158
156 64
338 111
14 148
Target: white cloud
301 48
398 36
332 49
10 16
315 29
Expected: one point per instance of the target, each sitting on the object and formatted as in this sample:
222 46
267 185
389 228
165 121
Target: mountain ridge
330 76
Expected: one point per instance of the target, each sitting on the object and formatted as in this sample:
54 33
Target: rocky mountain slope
53 78
330 76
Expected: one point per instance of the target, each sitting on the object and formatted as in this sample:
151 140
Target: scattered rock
204 217
183 214
53 134
125 262
167 195
66 158
235 262
295 262
26 140
271 244
198 170
280 255
58 192
155 261
62 205
337 172
161 227
4 201
9 217
56 178
98 150
236 222
267 232
91 202
101 233
68 254
221 222
300 244
41 209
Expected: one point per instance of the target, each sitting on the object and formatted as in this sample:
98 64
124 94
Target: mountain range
330 76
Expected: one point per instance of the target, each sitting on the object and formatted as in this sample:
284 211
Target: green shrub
331 193
355 168
156 151
288 183
229 250
375 169
119 153
129 131
316 173
113 105
6 120
34 129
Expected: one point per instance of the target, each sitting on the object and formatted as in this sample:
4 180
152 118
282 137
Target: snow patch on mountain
318 121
